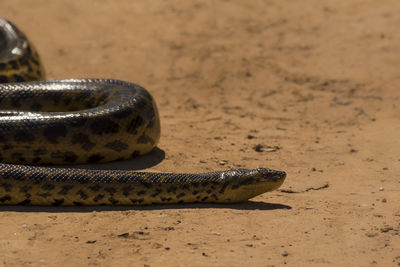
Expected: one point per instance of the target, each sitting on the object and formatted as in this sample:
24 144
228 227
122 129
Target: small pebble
157 245
223 162
381 188
271 148
384 200
285 254
386 229
258 148
125 235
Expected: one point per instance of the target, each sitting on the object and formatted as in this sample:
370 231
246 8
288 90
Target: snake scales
90 121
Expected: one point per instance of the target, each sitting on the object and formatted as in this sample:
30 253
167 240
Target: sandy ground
309 87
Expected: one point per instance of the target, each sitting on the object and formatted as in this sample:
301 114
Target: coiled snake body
91 121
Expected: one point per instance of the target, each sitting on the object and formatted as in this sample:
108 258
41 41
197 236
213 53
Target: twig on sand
290 191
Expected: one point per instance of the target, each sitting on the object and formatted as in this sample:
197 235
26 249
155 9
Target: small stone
157 245
285 254
371 234
124 235
271 148
386 229
381 188
91 241
222 162
262 148
384 200
258 148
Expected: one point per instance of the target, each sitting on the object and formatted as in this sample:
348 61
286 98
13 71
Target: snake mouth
279 175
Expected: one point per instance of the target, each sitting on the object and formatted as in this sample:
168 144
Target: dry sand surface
310 87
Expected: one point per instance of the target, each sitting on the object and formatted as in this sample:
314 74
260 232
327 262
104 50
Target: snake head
269 175
246 183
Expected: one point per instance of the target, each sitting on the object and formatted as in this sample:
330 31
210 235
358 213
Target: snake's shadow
138 163
249 205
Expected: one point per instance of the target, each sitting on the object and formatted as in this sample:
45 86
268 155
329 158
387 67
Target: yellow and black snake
90 121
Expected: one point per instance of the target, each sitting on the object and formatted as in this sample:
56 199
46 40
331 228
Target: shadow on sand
249 205
138 163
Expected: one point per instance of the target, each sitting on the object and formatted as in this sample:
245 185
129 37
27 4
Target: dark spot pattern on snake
54 132
23 136
117 146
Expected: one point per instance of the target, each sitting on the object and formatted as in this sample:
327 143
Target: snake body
90 121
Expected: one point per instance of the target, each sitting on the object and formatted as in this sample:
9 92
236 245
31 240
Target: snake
90 121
